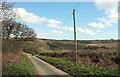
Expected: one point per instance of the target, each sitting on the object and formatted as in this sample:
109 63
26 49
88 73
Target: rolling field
97 53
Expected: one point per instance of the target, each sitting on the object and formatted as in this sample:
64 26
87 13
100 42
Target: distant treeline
81 44
86 41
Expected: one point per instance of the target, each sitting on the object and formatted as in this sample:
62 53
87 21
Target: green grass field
79 70
21 67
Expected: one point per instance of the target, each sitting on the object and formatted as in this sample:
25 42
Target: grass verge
21 67
80 70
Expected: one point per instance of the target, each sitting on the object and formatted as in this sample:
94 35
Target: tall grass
21 67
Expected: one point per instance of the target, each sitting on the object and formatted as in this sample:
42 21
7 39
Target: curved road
44 68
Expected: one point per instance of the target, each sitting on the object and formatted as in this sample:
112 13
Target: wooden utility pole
75 41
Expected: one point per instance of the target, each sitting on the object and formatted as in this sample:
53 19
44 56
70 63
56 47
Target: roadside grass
22 67
81 69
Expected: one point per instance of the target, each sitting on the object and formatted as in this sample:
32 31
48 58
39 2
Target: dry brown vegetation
12 49
86 57
10 52
35 47
102 55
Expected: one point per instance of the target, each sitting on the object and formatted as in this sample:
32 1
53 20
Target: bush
11 45
11 51
35 47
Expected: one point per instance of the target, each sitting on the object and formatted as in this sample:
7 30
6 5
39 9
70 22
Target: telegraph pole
75 41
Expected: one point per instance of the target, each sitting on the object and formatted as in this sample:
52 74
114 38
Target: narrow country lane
44 68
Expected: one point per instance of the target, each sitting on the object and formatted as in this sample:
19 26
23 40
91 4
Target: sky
54 20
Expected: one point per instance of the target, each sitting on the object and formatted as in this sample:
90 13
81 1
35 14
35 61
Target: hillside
81 44
102 53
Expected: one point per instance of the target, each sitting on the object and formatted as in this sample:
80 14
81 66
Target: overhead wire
67 20
76 8
69 17
77 5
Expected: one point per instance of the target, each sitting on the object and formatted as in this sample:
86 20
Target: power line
67 20
69 17
77 5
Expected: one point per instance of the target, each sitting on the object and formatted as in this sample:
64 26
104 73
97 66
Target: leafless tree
7 28
11 28
7 14
17 30
6 11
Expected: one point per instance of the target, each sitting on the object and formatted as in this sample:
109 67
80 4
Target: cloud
110 19
85 31
110 10
68 29
52 34
96 25
29 17
99 31
60 32
58 29
52 23
106 5
79 30
57 33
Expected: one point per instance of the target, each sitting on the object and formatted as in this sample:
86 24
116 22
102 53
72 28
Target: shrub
11 51
35 47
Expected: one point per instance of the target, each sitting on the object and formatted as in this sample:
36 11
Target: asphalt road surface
44 68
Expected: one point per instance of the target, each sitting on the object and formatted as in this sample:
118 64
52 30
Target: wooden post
75 41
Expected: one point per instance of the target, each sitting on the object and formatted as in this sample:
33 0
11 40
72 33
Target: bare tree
17 30
11 28
7 28
22 31
7 14
6 11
